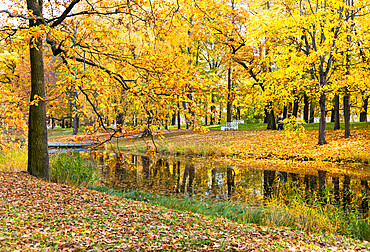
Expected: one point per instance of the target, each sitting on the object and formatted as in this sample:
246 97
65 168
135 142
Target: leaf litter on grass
42 216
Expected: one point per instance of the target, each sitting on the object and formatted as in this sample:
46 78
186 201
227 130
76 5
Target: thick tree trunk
322 124
271 123
336 113
347 114
306 107
363 114
38 155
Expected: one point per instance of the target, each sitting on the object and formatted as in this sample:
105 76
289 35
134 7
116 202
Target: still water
250 181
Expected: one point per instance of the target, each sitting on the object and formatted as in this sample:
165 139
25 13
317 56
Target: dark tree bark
265 119
271 123
119 121
75 117
38 156
285 112
178 117
229 106
336 113
213 116
306 107
312 113
238 113
173 121
363 114
322 124
220 114
347 114
295 107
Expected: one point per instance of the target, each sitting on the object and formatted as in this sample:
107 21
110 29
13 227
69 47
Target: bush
69 168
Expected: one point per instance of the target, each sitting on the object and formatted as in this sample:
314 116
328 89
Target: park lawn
43 216
260 144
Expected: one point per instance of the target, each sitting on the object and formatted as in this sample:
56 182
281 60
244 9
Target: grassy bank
317 218
43 216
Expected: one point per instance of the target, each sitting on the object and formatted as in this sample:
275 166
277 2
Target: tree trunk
363 114
38 155
229 108
178 118
271 124
347 114
75 117
336 113
312 113
220 114
306 107
173 122
322 139
213 116
285 112
295 107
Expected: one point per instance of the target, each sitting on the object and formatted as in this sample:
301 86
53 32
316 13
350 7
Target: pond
250 181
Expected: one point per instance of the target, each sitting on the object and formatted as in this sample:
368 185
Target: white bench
239 121
230 126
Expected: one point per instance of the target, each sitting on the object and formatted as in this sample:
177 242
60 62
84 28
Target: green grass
315 217
330 126
70 169
58 131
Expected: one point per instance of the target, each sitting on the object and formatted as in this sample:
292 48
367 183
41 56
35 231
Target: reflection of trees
365 198
188 178
146 163
230 181
214 185
268 183
335 181
322 183
176 174
346 192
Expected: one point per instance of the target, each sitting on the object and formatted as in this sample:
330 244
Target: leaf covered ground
43 216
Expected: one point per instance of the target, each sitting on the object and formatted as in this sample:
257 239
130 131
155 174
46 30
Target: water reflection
207 179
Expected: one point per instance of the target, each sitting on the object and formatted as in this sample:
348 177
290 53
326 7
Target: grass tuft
70 169
13 160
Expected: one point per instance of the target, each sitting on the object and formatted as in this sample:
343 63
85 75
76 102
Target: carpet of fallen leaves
43 216
273 145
